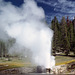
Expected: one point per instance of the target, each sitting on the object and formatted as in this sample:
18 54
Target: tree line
64 35
4 46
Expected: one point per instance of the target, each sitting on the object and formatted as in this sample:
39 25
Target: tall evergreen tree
71 34
56 33
65 41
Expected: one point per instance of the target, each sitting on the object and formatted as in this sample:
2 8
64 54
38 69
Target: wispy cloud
61 8
64 6
48 2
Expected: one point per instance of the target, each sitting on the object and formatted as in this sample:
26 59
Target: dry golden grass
4 66
14 63
66 62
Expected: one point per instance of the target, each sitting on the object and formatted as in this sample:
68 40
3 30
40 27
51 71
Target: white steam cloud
26 24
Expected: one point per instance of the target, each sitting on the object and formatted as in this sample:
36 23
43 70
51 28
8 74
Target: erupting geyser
26 24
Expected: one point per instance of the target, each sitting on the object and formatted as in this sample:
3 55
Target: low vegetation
13 63
16 62
60 60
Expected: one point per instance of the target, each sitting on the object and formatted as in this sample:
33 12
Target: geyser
26 24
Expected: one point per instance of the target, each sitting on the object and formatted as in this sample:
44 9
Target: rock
59 69
6 59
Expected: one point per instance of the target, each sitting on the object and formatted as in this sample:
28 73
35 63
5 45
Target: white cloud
61 5
61 1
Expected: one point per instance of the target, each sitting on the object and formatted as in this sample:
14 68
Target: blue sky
53 8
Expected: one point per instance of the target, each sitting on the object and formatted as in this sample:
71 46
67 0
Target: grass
62 59
14 63
4 66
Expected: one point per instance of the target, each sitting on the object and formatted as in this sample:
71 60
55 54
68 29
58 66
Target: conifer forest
64 35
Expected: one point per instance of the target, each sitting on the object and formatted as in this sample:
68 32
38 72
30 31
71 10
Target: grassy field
15 62
63 59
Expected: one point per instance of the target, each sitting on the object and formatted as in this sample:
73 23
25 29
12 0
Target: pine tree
64 38
73 35
1 49
68 28
55 37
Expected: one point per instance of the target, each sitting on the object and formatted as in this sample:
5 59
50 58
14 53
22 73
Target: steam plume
26 24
